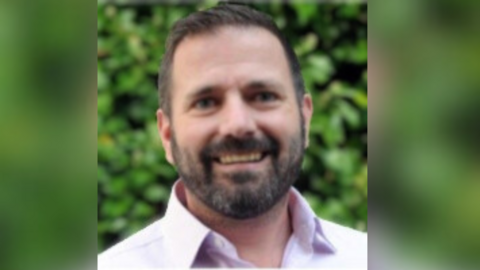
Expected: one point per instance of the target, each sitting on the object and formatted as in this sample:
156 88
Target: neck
259 240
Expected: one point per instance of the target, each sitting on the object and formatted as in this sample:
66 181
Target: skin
227 63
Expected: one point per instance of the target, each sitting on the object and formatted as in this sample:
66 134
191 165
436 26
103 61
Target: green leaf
142 210
156 193
349 113
305 11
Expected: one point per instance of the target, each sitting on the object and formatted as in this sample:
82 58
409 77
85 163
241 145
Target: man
234 120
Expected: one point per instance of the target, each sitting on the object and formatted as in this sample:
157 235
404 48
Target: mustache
229 145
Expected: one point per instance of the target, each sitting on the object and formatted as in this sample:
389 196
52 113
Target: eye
265 97
204 103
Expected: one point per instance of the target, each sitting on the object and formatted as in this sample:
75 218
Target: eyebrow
264 84
255 84
202 91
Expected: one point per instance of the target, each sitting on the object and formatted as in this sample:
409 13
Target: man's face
236 132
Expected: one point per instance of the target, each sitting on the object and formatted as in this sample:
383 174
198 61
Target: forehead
228 57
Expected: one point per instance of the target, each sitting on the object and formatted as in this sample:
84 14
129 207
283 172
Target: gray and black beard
243 201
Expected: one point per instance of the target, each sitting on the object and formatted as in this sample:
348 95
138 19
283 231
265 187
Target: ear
165 130
307 111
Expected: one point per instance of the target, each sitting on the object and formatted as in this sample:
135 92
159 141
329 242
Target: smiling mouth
240 158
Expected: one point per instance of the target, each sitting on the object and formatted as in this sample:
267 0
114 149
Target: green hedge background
134 179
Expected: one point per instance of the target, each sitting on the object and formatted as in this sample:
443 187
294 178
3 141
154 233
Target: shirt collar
306 226
183 245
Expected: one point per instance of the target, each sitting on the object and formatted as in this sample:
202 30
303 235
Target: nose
237 119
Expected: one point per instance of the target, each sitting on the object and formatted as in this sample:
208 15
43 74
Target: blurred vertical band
47 147
424 64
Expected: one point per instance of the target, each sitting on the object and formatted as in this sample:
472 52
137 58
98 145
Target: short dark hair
208 21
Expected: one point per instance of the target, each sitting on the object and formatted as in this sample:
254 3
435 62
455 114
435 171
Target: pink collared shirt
179 240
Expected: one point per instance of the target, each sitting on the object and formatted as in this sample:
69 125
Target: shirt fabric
179 240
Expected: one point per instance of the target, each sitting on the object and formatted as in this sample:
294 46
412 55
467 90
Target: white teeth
227 159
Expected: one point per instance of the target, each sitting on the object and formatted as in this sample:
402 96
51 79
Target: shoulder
135 250
344 239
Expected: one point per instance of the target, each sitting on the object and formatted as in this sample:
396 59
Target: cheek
193 134
282 126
